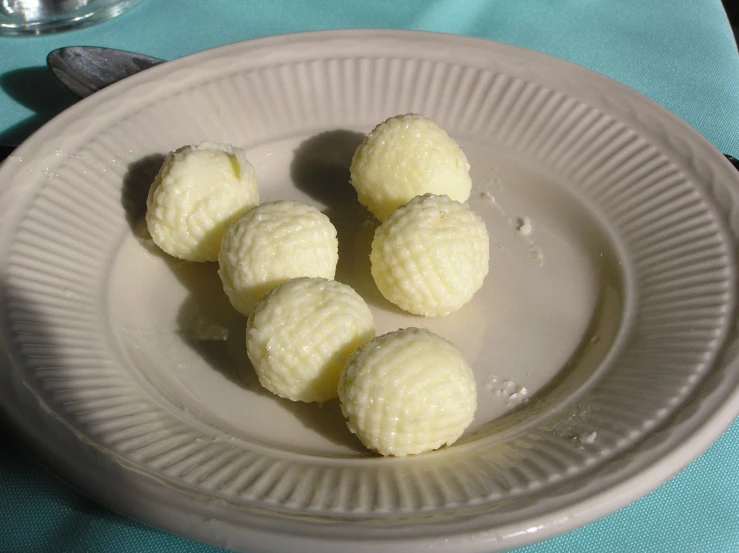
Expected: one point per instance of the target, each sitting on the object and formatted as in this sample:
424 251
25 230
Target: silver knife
84 70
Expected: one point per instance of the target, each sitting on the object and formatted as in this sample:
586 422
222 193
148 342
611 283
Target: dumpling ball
272 243
407 156
430 256
301 333
198 193
408 392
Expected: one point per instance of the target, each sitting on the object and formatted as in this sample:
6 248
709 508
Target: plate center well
549 308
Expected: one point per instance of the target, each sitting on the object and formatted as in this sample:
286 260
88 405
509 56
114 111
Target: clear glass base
33 17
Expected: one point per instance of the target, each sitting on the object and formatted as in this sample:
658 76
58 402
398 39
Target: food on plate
407 392
312 339
430 256
407 156
199 191
300 334
272 243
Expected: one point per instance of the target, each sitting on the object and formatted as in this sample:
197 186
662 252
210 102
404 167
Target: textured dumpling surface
199 191
273 243
430 256
301 333
407 392
404 157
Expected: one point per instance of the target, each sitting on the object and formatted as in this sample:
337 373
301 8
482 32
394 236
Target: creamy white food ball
273 243
300 334
407 392
198 193
404 157
430 256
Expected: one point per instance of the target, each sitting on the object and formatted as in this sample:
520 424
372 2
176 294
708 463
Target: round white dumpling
199 191
407 392
404 157
430 256
300 334
272 243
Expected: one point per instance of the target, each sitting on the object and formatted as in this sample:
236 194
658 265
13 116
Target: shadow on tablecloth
35 89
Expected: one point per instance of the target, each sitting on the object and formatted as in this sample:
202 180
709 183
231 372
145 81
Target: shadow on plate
207 322
136 183
320 169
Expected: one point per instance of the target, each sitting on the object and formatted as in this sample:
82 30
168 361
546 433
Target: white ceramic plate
126 369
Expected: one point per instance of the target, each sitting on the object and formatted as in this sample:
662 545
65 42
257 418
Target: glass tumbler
28 17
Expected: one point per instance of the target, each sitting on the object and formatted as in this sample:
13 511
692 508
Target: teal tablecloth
681 53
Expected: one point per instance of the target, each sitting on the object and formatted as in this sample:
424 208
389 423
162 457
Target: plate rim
597 505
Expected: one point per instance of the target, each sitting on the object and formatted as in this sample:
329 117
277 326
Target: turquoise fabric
681 53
